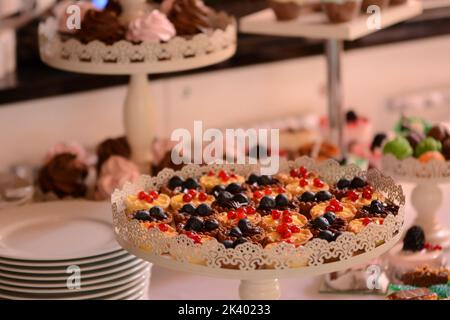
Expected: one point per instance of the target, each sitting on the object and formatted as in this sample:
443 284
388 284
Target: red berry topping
303 183
369 189
293 173
187 197
318 183
366 221
234 176
287 219
202 196
142 195
148 199
241 214
231 215
287 213
163 227
192 193
330 208
294 229
437 247
352 195
282 228
223 175
211 174
268 191
154 194
281 190
367 195
251 210
276 214
194 236
257 195
335 202
303 172
427 246
287 234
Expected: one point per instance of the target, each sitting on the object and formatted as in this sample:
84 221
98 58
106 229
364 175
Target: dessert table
167 284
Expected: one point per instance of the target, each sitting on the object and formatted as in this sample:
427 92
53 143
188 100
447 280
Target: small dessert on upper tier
339 11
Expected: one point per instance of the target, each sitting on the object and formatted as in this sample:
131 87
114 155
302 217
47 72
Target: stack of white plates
66 250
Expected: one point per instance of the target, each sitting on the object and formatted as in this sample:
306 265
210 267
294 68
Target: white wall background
229 98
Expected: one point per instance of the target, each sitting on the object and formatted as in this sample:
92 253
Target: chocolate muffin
102 26
341 12
112 147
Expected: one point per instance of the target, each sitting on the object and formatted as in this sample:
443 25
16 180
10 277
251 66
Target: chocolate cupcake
155 214
245 231
382 4
308 200
64 175
207 226
102 26
285 10
327 227
341 11
189 210
377 209
112 147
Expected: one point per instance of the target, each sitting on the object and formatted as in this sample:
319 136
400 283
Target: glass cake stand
317 26
246 261
136 60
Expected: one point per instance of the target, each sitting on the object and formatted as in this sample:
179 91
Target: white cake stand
427 196
316 25
125 58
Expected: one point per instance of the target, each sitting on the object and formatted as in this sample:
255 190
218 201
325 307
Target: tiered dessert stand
259 269
136 60
317 26
427 195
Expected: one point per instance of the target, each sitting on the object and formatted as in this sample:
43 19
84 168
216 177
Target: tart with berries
154 214
358 225
295 175
277 217
255 182
361 199
289 233
209 226
346 211
190 196
307 200
378 209
226 201
232 218
244 231
328 227
146 200
309 184
177 185
210 180
189 210
343 186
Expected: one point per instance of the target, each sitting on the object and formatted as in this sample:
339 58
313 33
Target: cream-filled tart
146 200
165 228
290 234
190 196
210 180
244 231
309 184
358 225
277 217
295 175
154 214
346 211
209 226
362 198
232 218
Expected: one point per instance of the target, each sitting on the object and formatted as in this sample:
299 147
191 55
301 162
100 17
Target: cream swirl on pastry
151 27
114 173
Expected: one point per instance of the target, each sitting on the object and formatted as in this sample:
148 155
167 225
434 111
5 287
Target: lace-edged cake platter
414 171
124 57
251 261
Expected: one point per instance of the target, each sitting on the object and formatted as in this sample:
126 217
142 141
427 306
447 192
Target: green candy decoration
427 144
399 147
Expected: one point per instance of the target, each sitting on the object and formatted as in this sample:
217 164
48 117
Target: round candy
427 144
399 147
431 155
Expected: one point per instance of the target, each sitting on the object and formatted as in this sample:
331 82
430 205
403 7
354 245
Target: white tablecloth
167 284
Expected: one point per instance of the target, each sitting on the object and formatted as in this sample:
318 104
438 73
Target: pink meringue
115 172
62 15
151 27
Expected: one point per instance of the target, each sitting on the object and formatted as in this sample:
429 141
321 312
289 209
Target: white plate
138 292
84 288
58 230
60 270
57 263
62 283
99 294
63 277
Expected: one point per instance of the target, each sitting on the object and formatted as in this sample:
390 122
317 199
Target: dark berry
264 180
191 183
414 239
203 210
241 198
235 232
343 184
336 235
321 223
326 235
229 244
267 203
224 195
281 201
142 216
351 116
188 208
194 224
239 241
233 188
358 182
175 182
217 190
323 196
376 207
211 225
245 226
307 196
330 216
158 213
377 141
252 179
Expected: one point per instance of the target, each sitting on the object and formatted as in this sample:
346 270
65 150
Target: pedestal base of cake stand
426 199
260 289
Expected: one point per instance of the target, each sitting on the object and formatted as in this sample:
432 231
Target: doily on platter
413 168
250 256
124 52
